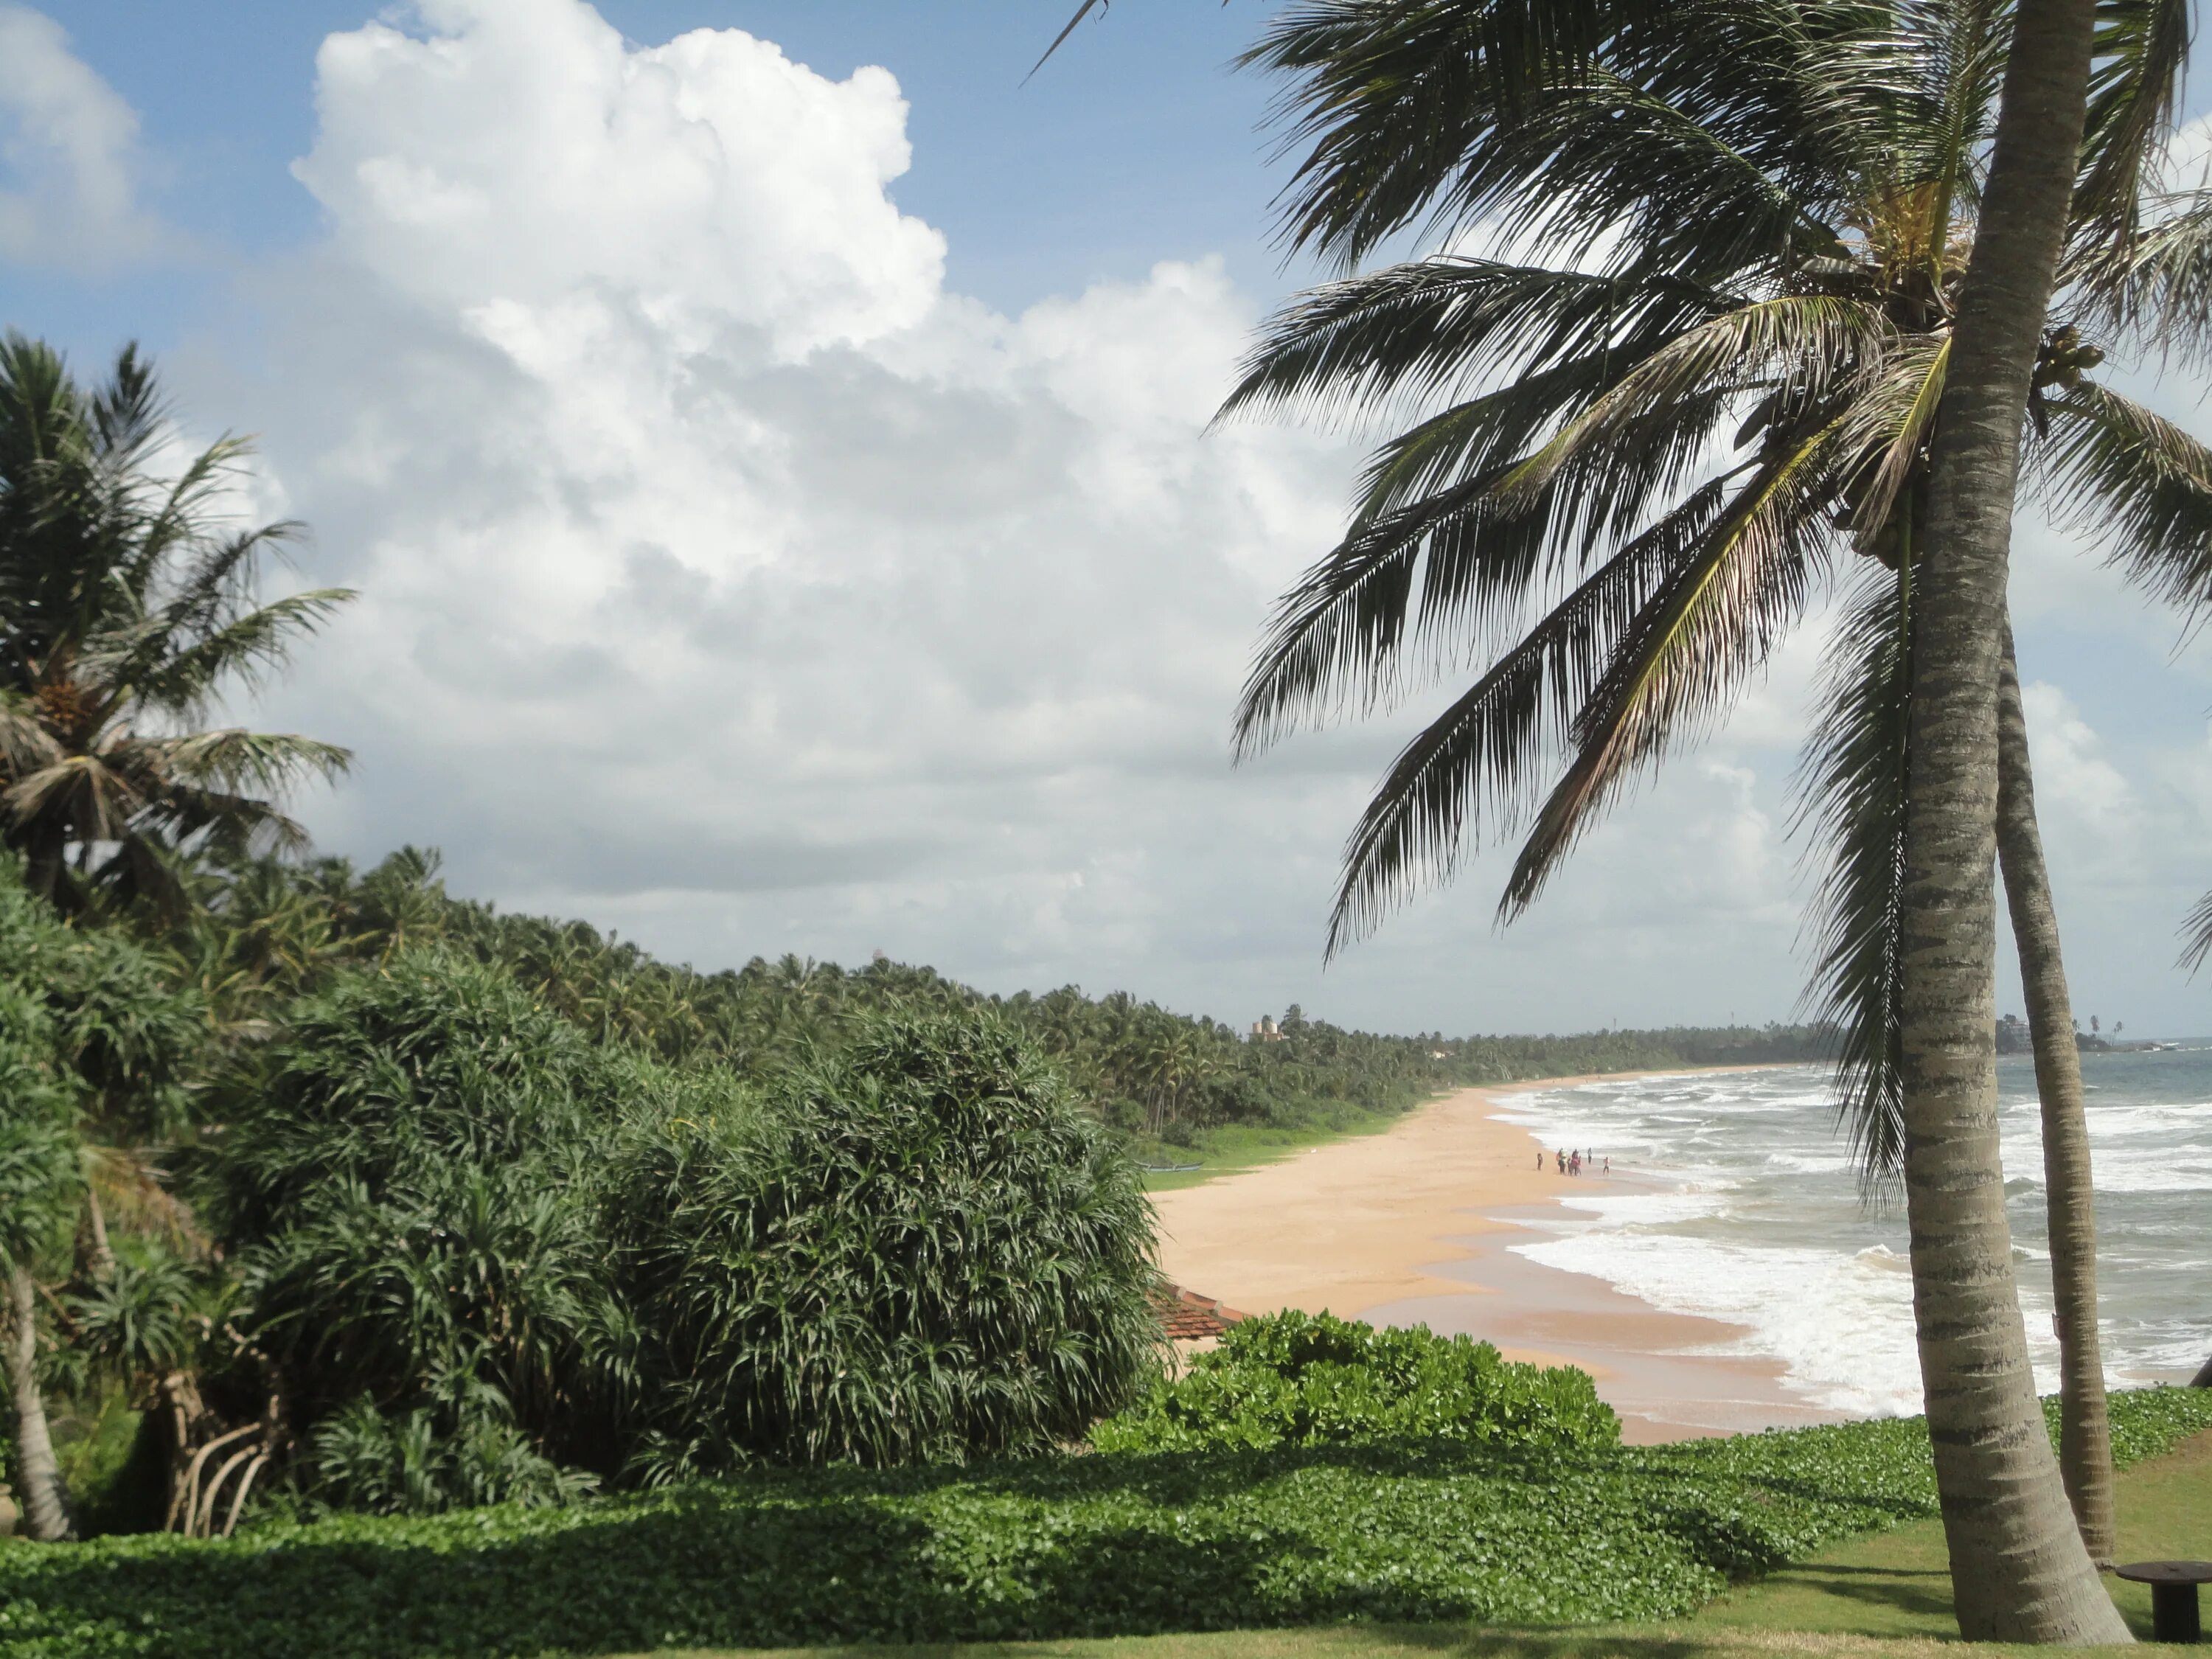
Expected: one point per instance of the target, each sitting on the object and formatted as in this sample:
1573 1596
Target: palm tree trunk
45 1496
2085 1435
100 1257
2019 1571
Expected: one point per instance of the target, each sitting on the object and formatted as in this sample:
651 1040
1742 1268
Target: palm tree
127 606
2017 1570
1651 450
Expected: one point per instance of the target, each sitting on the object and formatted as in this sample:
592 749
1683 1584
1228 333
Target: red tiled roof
1191 1317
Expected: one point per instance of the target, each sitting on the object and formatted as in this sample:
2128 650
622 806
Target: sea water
1734 1196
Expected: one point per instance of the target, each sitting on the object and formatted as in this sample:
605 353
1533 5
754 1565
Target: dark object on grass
2203 1378
2173 1596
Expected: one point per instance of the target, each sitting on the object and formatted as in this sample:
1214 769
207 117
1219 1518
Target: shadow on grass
1915 1591
1060 1547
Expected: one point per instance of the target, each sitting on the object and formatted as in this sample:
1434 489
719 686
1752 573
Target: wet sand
1413 1226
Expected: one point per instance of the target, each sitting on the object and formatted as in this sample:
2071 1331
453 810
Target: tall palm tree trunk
2085 1436
45 1496
2019 1571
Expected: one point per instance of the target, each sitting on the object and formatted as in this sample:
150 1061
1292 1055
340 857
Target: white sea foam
1842 1326
1751 1212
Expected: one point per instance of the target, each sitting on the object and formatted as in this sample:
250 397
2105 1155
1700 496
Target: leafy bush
489 1257
423 1461
1052 1547
411 1171
922 1249
1304 1379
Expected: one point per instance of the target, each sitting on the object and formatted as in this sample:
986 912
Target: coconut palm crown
1694 397
127 606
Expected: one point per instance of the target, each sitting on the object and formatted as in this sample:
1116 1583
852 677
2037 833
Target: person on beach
1561 1154
1574 1165
1540 1160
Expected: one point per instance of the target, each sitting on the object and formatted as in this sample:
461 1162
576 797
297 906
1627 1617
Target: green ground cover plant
1301 1379
1103 1545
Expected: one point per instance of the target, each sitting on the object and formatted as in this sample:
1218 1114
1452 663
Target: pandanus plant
1687 391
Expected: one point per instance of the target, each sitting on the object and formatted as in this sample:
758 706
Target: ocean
1735 1197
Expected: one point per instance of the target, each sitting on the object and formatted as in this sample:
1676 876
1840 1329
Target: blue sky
1134 144
785 520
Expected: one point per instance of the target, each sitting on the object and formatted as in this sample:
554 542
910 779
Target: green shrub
491 1259
921 1248
1304 1379
412 1174
1045 1547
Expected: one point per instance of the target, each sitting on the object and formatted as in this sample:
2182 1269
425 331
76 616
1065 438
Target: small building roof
1191 1317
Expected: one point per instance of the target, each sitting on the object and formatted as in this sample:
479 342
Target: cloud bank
729 580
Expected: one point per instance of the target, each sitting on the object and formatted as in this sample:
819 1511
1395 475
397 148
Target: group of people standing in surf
1574 1163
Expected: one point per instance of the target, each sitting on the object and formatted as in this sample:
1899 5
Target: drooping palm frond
232 758
1483 754
1450 572
2154 288
2134 90
1851 805
2136 482
1687 655
2197 935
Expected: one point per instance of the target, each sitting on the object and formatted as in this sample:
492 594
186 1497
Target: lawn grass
1231 1148
1321 1549
1883 1596
1896 1583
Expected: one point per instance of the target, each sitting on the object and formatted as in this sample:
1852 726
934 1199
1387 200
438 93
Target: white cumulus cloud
728 579
70 161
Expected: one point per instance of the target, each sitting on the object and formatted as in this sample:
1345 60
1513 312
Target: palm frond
1450 573
2155 287
1851 806
1889 426
1481 754
185 681
1669 127
97 798
2134 91
2197 935
1805 342
2135 484
25 742
1417 330
1690 650
268 763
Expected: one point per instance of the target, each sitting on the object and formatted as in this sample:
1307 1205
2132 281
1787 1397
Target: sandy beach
1413 1224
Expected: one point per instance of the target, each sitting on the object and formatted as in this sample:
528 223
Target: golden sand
1413 1224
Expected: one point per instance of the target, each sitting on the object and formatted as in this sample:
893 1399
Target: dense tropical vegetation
382 1199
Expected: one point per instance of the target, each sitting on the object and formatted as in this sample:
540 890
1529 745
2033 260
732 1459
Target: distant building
1264 1029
